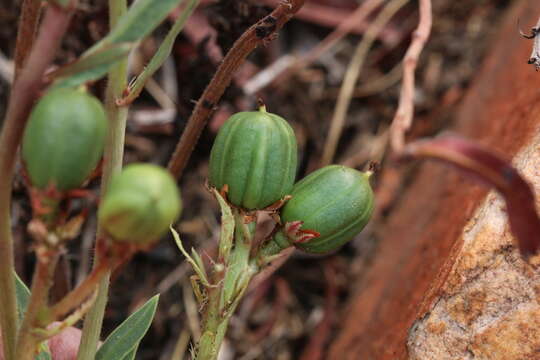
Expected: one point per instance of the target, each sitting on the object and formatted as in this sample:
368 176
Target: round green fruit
327 209
64 138
255 155
140 204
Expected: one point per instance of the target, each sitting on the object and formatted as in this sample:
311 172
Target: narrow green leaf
200 272
197 258
162 53
227 228
90 66
23 296
141 19
124 339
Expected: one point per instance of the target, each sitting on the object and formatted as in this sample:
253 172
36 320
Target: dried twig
260 33
535 54
486 166
351 77
404 114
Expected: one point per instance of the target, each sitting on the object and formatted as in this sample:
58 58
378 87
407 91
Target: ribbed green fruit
140 204
64 138
336 202
255 154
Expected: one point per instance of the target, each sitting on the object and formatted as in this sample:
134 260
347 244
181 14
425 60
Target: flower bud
255 156
327 209
64 138
140 204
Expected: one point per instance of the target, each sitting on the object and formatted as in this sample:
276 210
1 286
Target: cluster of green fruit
254 156
63 143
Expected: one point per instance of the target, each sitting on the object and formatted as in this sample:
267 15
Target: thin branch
26 33
489 168
23 95
404 115
258 34
351 77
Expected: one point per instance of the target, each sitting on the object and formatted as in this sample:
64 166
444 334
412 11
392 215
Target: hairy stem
230 287
23 94
113 155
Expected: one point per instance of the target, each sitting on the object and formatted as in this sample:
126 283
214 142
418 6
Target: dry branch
404 115
258 34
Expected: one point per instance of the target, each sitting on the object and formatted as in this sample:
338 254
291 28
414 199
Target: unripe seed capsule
140 204
255 155
327 209
64 139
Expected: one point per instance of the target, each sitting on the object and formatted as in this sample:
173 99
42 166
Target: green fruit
327 209
140 204
64 139
255 155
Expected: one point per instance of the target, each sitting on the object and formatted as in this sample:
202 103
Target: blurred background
296 313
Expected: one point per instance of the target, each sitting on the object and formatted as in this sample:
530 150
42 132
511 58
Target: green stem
113 156
224 298
27 342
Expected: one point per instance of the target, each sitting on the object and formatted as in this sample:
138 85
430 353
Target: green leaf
194 263
227 228
23 296
162 53
123 341
90 66
131 354
141 19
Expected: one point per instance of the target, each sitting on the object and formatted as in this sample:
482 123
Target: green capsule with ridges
255 155
140 204
331 205
64 139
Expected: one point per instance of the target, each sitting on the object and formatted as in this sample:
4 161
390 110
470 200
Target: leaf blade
126 337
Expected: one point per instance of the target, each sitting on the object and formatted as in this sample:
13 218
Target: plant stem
223 298
22 96
113 156
79 294
27 342
26 33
